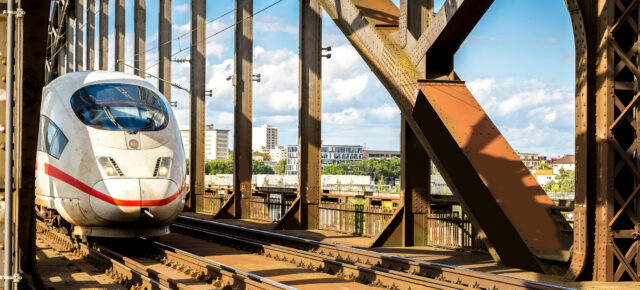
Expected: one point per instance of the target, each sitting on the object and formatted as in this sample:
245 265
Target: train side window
41 136
55 141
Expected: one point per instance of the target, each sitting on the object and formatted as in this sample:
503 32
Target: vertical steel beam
29 77
79 35
408 225
119 36
305 215
62 63
103 40
71 24
197 135
415 169
140 30
164 48
603 268
91 34
243 119
9 154
584 19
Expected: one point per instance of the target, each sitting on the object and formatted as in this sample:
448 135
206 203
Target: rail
451 276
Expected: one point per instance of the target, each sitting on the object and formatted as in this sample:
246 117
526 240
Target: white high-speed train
110 160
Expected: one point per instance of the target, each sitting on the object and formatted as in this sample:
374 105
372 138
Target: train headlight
162 166
108 166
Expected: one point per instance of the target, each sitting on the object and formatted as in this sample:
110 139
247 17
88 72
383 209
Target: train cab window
120 107
51 140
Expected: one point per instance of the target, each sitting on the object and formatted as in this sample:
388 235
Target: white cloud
347 117
268 23
534 115
184 8
386 111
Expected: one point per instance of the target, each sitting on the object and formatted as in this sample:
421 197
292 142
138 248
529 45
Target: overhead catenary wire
153 76
206 38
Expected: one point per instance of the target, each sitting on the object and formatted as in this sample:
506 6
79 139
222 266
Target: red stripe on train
70 180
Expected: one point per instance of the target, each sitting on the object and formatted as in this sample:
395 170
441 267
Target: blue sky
518 62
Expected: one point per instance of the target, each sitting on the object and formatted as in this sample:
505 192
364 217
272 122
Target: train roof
69 83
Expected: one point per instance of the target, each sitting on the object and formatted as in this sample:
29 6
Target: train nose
161 199
117 200
130 200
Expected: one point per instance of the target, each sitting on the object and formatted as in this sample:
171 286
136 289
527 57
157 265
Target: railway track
376 269
135 272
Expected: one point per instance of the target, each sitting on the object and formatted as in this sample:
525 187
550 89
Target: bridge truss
411 52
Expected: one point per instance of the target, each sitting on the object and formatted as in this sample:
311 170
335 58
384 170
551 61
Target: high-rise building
264 136
216 142
330 154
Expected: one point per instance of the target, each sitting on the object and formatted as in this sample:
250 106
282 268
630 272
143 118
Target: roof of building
544 172
566 159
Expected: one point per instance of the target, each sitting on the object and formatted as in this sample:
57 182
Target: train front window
122 107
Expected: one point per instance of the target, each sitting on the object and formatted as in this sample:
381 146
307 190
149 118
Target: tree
258 167
281 167
187 160
544 165
218 166
565 181
265 156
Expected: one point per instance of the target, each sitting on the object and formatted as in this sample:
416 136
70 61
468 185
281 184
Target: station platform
466 259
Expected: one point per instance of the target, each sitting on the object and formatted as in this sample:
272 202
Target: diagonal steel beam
480 166
449 28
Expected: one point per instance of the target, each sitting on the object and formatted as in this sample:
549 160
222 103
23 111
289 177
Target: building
530 160
543 176
377 154
566 162
216 142
264 136
276 154
330 154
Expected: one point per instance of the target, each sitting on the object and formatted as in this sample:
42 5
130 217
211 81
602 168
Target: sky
518 62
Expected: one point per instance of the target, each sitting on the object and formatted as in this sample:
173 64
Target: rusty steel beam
407 226
164 48
581 267
91 34
103 38
479 165
139 36
305 214
197 116
79 35
243 118
442 38
616 192
29 94
119 35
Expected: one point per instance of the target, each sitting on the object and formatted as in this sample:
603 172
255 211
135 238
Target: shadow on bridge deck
465 259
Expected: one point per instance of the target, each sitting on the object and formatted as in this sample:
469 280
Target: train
110 160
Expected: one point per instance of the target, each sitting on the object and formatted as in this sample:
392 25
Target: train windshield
122 107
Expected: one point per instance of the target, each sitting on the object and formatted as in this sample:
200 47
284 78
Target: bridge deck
465 259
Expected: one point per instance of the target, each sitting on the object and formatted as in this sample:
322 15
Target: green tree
281 167
545 165
187 161
565 181
258 167
333 169
218 166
